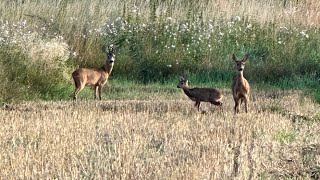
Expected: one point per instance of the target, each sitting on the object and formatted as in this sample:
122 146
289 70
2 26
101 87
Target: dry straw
160 139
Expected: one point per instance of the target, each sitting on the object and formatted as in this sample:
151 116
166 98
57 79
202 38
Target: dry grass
161 139
280 12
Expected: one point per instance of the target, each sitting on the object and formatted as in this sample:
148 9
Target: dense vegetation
156 42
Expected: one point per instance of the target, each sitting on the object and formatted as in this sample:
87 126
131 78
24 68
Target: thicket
156 41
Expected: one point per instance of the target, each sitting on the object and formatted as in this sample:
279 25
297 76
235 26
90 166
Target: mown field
162 138
145 127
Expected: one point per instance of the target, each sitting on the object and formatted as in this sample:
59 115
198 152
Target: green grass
284 136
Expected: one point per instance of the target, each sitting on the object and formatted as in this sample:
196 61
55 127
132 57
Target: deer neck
187 91
240 76
107 68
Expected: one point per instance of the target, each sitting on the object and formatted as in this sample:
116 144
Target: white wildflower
118 19
304 34
235 18
169 18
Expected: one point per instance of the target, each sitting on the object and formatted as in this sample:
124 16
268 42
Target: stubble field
162 138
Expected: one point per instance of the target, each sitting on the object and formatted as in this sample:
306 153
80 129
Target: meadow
145 127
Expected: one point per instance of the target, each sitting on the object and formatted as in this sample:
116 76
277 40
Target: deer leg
99 89
79 87
236 106
221 109
197 104
217 103
246 104
95 89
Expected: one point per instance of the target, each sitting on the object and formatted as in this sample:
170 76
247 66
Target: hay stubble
157 139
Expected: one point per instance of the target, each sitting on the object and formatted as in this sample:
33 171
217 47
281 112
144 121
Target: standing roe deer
211 95
240 86
96 77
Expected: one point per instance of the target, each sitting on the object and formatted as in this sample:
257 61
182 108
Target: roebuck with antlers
96 77
240 86
199 95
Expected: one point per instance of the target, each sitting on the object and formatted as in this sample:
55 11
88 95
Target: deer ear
245 58
181 78
234 57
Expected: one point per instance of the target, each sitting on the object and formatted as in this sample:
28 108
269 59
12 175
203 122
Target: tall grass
159 40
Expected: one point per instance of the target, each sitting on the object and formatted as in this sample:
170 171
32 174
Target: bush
22 80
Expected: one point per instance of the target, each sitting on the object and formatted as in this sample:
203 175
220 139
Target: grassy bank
156 42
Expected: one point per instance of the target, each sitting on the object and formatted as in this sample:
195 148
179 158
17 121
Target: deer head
110 55
240 63
182 83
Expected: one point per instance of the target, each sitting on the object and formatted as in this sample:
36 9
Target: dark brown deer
199 95
96 77
240 86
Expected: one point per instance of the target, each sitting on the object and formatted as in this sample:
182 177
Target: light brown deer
199 95
240 86
96 77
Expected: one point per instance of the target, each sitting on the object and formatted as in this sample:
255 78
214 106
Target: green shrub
23 80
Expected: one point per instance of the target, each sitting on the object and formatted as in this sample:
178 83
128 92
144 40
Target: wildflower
169 65
284 28
210 26
134 10
118 19
24 23
235 18
169 18
303 33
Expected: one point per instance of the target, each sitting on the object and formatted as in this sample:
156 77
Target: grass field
162 138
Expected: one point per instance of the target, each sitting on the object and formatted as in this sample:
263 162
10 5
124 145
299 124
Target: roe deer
96 77
211 95
240 86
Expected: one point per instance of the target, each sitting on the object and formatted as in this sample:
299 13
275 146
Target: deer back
205 94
